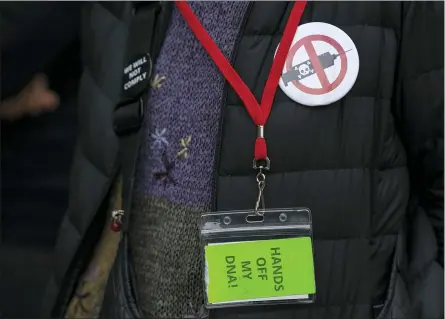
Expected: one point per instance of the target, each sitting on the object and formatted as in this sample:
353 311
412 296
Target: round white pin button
322 65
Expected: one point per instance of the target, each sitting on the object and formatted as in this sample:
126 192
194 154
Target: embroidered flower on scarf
159 138
184 142
165 175
156 82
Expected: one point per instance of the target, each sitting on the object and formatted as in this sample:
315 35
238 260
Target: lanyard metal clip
261 180
261 165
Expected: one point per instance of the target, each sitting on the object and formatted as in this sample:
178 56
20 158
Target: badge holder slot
257 259
254 218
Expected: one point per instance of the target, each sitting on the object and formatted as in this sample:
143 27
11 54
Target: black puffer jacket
369 166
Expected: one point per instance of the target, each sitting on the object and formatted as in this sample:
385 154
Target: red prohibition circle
326 86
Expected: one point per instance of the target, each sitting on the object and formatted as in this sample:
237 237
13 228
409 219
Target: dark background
36 152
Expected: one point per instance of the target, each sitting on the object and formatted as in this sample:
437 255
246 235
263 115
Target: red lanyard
258 112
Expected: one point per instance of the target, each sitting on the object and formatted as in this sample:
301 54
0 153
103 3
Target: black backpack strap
146 34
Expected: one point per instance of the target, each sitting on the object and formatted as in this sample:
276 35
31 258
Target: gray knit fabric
175 169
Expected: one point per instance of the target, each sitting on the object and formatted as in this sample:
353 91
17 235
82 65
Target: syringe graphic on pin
305 69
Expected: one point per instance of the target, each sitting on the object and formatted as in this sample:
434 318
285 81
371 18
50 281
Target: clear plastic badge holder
258 259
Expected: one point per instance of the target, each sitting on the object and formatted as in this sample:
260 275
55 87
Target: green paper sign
275 268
